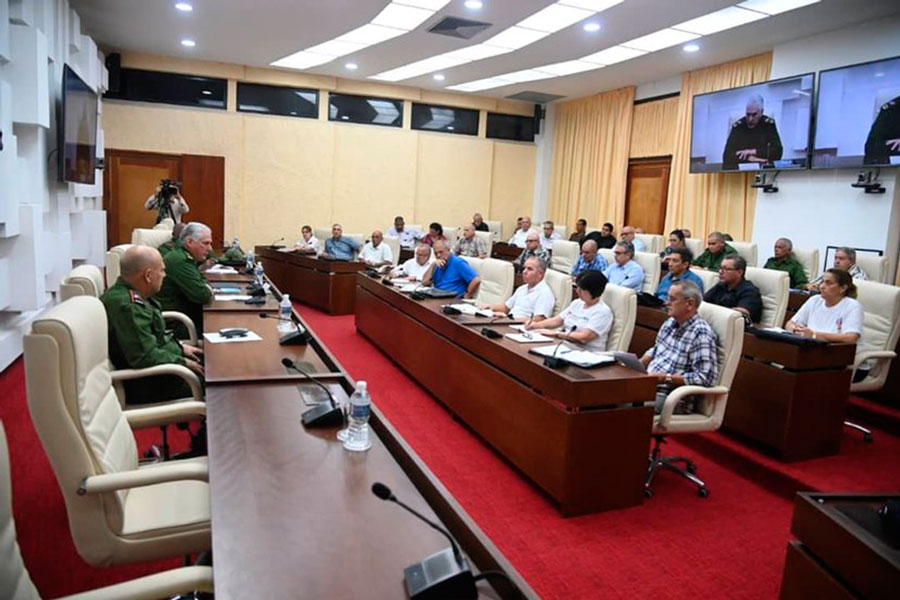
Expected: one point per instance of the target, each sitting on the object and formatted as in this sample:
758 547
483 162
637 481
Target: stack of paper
581 358
233 297
528 337
222 270
468 309
216 338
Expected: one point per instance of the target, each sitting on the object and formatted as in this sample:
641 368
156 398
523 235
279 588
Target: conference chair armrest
159 585
183 470
172 315
163 414
869 355
177 370
679 394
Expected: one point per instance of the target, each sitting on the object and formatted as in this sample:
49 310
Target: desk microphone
417 295
272 245
552 361
323 415
489 333
450 310
445 574
294 338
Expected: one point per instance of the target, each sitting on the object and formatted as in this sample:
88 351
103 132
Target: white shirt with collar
408 236
382 253
312 243
638 245
527 302
547 242
411 268
518 238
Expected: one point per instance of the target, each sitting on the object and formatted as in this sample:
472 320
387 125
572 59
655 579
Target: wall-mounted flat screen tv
759 126
77 130
858 116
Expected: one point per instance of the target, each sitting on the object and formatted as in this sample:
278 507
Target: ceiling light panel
719 21
335 48
477 52
775 7
658 40
401 16
302 60
369 34
432 5
569 67
613 55
555 17
525 75
479 85
594 5
516 37
435 63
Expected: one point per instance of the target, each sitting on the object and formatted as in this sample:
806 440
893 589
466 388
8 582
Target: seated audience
415 267
605 238
532 301
624 271
450 272
589 259
408 235
734 291
549 236
685 352
784 260
435 233
185 289
340 247
679 270
470 244
522 231
676 241
834 315
376 253
307 244
580 232
532 249
716 250
478 223
587 320
844 258
627 235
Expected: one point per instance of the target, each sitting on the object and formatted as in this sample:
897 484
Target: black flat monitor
77 130
764 126
858 116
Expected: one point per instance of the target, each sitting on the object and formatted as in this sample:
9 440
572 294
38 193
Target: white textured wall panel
5 284
21 12
4 31
28 76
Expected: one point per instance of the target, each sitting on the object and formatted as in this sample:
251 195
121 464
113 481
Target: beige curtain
720 201
653 128
590 158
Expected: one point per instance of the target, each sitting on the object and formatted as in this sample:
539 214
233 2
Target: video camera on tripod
168 188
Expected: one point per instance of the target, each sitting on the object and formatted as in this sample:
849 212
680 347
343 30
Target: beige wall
283 172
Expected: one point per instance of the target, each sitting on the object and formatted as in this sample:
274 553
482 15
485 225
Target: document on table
528 337
468 309
235 297
216 338
580 358
226 289
222 270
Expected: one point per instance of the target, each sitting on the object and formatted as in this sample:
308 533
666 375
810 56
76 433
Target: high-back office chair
623 303
774 287
359 238
748 250
451 233
564 256
497 280
652 242
809 258
729 327
118 512
695 245
650 263
561 286
608 254
496 229
322 234
150 237
166 223
876 267
709 278
562 230
83 280
113 256
475 263
394 244
15 582
488 238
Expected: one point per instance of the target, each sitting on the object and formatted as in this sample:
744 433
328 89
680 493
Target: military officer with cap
753 138
137 332
884 136
185 289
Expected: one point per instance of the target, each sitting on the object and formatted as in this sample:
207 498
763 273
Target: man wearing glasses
734 291
624 271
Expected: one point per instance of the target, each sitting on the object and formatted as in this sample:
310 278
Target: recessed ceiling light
188 43
473 4
450 128
439 77
345 117
206 93
352 66
691 48
184 6
591 27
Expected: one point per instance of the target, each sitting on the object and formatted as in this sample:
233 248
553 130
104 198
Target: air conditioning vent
535 97
459 28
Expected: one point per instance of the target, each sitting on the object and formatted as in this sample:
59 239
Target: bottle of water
358 427
285 325
249 262
259 272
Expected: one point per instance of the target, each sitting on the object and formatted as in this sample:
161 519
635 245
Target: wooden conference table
564 429
324 284
292 511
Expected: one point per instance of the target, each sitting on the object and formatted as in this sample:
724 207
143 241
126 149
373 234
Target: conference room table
788 399
504 251
573 432
319 282
292 512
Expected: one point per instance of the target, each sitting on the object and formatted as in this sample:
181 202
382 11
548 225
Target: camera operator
167 201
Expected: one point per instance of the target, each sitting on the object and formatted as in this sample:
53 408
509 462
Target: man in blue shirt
679 270
625 272
450 272
340 247
589 259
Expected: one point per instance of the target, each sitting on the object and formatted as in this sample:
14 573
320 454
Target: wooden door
129 178
647 192
203 188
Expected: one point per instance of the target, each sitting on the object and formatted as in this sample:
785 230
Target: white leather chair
83 280
876 267
359 238
588 230
475 263
15 583
394 244
322 234
695 245
496 229
166 223
497 280
652 242
150 237
709 278
881 329
564 256
113 256
488 238
652 266
748 250
623 303
775 288
809 258
561 286
562 230
451 233
118 511
729 327
608 254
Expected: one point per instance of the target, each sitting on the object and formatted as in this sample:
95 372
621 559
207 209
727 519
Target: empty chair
710 410
876 267
83 280
652 242
488 238
809 258
497 280
623 303
709 278
564 256
496 229
322 234
695 245
562 230
774 287
748 250
113 255
166 223
561 286
151 237
394 244
651 265
451 234
881 329
118 512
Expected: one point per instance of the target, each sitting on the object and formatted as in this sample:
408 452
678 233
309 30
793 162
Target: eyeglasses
726 269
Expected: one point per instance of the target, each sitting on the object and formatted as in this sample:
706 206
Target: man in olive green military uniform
167 247
716 251
753 138
884 136
185 289
137 332
784 260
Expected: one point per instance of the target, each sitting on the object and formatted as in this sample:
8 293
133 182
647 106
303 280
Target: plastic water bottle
259 272
286 324
358 427
249 262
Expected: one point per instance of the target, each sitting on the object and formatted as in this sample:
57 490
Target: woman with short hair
587 320
834 315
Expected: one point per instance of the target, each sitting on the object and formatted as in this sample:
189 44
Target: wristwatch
668 379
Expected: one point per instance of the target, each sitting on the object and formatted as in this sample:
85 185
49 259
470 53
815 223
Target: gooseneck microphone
553 361
445 574
278 241
323 415
295 338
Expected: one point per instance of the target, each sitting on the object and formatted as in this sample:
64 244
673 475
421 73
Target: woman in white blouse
587 320
308 244
834 315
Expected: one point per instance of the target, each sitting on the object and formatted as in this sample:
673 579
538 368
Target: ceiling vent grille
536 97
459 28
